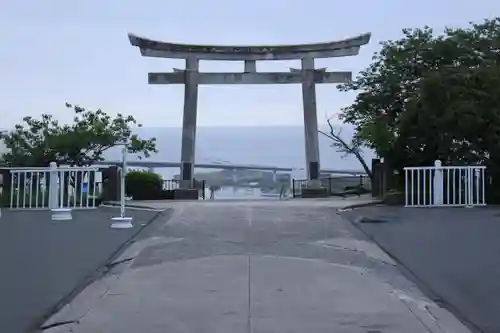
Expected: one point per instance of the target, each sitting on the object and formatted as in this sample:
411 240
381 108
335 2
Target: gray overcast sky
54 51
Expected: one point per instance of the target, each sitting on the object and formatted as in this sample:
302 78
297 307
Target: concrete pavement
332 202
43 261
282 266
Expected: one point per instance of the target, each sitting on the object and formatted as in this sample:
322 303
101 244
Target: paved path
454 252
254 267
43 260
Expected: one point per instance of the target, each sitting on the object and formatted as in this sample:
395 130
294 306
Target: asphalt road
454 253
44 261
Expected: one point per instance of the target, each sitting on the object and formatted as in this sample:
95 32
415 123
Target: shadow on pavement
453 252
45 262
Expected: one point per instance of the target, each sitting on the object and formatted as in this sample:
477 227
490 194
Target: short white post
477 178
469 188
122 221
438 183
53 186
56 195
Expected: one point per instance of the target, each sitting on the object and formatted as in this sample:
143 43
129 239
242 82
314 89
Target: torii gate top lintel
159 49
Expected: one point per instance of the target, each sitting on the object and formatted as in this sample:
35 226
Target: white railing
438 186
54 187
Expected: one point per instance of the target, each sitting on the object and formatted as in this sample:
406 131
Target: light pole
122 221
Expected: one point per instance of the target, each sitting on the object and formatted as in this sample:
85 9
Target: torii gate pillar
188 144
310 121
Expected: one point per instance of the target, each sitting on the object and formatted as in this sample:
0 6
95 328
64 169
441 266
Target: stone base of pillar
185 184
186 194
314 183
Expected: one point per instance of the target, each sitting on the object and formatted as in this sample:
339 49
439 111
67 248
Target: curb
361 205
114 204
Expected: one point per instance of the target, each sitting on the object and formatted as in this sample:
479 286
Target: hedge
143 185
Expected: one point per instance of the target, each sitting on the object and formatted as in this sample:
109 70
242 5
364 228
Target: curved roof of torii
341 48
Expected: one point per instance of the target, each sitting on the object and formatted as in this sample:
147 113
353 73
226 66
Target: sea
281 146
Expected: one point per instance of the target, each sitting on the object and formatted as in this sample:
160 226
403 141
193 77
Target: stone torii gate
190 77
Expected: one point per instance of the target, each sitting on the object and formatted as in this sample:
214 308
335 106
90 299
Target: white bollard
122 221
438 184
60 214
53 186
56 193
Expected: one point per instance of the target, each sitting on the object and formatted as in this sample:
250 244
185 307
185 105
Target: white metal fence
54 187
437 186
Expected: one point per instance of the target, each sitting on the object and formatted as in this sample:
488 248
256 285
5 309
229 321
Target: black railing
341 186
173 184
200 185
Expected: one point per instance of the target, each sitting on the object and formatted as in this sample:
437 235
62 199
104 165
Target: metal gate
54 187
441 186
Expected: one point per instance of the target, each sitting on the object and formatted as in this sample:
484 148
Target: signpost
122 221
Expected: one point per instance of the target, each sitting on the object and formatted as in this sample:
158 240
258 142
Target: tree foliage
37 142
428 97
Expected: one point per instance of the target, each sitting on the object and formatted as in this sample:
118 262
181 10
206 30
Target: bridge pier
274 176
235 176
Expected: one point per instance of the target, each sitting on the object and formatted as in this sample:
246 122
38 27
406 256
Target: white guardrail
438 186
55 187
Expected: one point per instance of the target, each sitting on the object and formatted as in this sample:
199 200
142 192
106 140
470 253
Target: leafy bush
22 198
5 199
143 185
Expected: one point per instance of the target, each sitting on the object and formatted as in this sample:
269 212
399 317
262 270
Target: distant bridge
163 164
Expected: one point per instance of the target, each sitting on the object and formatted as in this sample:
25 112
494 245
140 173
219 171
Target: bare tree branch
352 148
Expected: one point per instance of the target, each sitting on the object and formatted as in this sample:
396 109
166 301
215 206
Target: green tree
428 97
37 142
